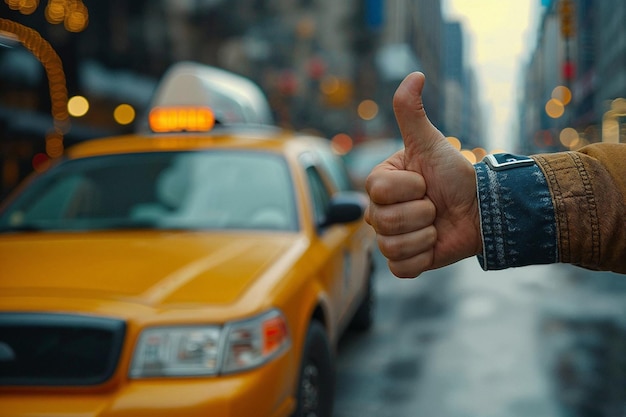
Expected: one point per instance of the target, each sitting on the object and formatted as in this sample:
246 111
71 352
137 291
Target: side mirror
345 207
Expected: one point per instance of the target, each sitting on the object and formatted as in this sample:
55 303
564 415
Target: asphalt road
540 341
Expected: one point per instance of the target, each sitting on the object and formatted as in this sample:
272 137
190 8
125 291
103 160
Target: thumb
421 139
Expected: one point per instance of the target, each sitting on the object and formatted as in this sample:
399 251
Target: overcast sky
499 36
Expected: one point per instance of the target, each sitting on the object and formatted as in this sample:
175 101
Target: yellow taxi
205 268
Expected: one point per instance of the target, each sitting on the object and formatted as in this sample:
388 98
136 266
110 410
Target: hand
423 202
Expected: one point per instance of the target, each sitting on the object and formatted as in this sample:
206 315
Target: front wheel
316 385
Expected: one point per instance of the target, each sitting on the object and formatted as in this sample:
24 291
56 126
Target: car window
336 168
212 189
320 195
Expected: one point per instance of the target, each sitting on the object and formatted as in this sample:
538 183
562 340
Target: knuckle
391 247
378 188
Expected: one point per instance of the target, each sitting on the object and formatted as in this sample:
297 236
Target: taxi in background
205 268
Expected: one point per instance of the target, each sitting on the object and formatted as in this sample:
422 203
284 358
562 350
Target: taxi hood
151 268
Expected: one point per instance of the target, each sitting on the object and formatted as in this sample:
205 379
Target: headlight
210 350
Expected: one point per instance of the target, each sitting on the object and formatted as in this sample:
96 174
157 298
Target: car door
343 268
360 241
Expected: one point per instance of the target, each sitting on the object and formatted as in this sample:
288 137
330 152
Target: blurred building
462 115
317 60
311 57
575 80
412 39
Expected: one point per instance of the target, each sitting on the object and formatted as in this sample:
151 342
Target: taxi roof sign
232 98
178 119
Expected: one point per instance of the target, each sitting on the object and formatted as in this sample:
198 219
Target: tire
316 383
363 318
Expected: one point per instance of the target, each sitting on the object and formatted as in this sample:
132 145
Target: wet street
541 341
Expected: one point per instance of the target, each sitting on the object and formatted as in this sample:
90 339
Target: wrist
478 247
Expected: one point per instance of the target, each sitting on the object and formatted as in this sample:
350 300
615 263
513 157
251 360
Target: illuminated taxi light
177 119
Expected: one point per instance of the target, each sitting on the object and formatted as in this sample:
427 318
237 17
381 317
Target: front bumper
263 392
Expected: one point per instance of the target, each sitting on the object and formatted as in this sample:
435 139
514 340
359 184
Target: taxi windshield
161 190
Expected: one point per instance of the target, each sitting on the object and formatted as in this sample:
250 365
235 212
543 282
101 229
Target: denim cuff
517 217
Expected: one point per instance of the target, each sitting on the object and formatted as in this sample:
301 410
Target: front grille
58 349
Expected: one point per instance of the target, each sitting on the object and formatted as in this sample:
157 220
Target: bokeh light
329 84
40 162
76 17
124 114
469 155
305 28
562 94
479 153
54 144
455 142
554 108
367 109
569 138
77 106
13 4
337 91
72 13
341 143
55 11
25 7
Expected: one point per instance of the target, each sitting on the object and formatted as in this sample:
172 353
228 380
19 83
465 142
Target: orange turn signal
275 334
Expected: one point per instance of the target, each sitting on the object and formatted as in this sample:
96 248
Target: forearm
568 207
588 191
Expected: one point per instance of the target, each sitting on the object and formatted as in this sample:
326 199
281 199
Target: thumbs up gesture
423 202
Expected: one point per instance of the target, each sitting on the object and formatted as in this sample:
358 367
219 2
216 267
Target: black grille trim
49 349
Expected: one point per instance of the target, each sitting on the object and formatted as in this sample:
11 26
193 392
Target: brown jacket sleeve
588 190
